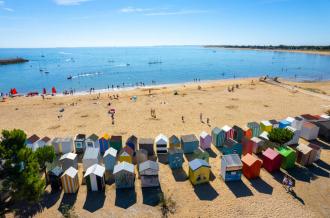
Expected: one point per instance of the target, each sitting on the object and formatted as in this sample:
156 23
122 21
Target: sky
91 23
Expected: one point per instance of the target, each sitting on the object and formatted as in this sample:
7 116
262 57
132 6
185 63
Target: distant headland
308 49
13 61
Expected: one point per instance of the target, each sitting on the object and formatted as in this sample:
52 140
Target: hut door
88 182
99 183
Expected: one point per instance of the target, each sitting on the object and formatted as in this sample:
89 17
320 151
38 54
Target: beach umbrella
53 90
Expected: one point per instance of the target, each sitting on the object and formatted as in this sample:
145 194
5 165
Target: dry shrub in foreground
328 112
167 205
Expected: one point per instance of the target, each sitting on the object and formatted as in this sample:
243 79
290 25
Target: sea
81 69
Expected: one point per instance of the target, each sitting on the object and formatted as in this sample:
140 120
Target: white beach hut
161 142
63 145
296 135
95 178
92 141
69 160
91 156
309 131
32 142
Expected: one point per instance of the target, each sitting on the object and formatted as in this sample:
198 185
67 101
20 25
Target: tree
45 154
280 136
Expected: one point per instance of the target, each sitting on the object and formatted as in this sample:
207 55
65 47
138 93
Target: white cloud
134 10
2 7
8 9
181 12
70 2
2 3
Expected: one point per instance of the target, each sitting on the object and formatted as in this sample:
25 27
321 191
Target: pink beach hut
205 140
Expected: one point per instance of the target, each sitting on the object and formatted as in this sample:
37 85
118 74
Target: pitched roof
249 159
57 171
127 150
61 140
309 125
270 153
198 163
32 139
110 151
69 155
80 137
303 148
45 139
216 130
266 123
146 141
285 122
93 137
232 160
256 139
148 165
174 139
230 143
226 128
161 139
264 135
290 119
273 122
71 172
91 153
189 138
308 117
116 138
123 166
95 169
285 151
253 124
204 135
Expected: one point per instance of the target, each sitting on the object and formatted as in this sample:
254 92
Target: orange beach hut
251 166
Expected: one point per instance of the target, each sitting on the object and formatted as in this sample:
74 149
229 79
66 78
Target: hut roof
71 172
303 148
32 139
131 138
161 139
264 135
80 137
91 153
124 166
230 143
45 139
253 124
204 135
69 155
298 118
226 128
174 139
285 122
198 163
309 125
148 165
291 129
61 140
256 139
325 124
266 123
116 138
95 169
216 130
57 171
232 160
189 138
308 117
127 150
146 141
290 119
270 153
285 151
249 159
93 137
110 151
175 150
273 122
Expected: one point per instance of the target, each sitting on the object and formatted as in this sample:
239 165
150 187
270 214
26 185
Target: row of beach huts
244 151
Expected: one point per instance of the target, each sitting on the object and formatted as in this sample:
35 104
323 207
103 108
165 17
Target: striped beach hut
147 144
205 140
217 139
304 155
161 142
132 142
70 181
266 126
228 131
95 178
110 158
255 127
116 142
174 142
104 143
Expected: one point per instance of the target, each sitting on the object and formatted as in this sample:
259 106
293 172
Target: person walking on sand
201 117
208 121
285 182
290 185
182 118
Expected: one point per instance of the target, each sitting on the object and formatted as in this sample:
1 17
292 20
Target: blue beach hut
189 143
104 143
175 158
232 147
284 123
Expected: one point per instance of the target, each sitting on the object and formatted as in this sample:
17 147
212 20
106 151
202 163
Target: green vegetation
319 91
167 205
279 47
45 154
280 136
21 167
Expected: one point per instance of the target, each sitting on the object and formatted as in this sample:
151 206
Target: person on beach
290 185
201 117
182 118
208 121
285 182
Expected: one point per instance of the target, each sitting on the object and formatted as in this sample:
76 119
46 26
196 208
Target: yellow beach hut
199 171
70 181
266 126
126 155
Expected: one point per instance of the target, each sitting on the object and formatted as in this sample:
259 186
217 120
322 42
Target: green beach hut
201 154
288 157
116 142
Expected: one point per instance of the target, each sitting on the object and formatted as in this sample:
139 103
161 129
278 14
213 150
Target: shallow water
103 67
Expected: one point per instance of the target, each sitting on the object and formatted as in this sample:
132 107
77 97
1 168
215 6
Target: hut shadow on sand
152 196
94 201
163 159
211 153
68 200
205 192
125 197
322 144
189 156
323 164
239 189
179 175
261 186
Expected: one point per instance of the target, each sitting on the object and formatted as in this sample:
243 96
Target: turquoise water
99 67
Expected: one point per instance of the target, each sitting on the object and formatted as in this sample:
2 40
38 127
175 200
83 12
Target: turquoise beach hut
216 139
189 143
255 128
232 147
175 158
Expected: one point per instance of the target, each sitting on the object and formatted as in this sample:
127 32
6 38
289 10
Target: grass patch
315 90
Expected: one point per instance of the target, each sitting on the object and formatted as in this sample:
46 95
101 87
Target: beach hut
297 123
247 146
44 141
324 130
201 154
264 136
288 156
161 142
116 142
309 118
304 155
70 181
92 141
271 160
63 145
132 142
32 142
255 127
238 133
104 143
232 147
148 171
316 153
95 178
266 126
251 166
275 123
309 131
229 132
296 135
231 167
325 116
205 140
126 155
199 171
174 142
79 143
284 123
54 177
91 156
258 145
109 159
69 160
124 175
141 156
189 143
147 144
247 132
217 137
175 158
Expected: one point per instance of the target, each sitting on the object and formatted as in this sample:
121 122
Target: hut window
90 144
199 178
79 144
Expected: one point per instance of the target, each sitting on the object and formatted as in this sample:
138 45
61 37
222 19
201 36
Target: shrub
328 112
280 136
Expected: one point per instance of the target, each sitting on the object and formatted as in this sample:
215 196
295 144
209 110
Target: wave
86 75
65 53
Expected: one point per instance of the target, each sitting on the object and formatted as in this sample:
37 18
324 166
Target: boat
69 77
155 62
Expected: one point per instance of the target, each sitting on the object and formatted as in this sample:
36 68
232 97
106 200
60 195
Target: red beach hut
271 160
247 146
53 90
251 166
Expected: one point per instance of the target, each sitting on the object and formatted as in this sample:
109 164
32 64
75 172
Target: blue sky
75 23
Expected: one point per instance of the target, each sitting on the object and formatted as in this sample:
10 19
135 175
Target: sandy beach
264 197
